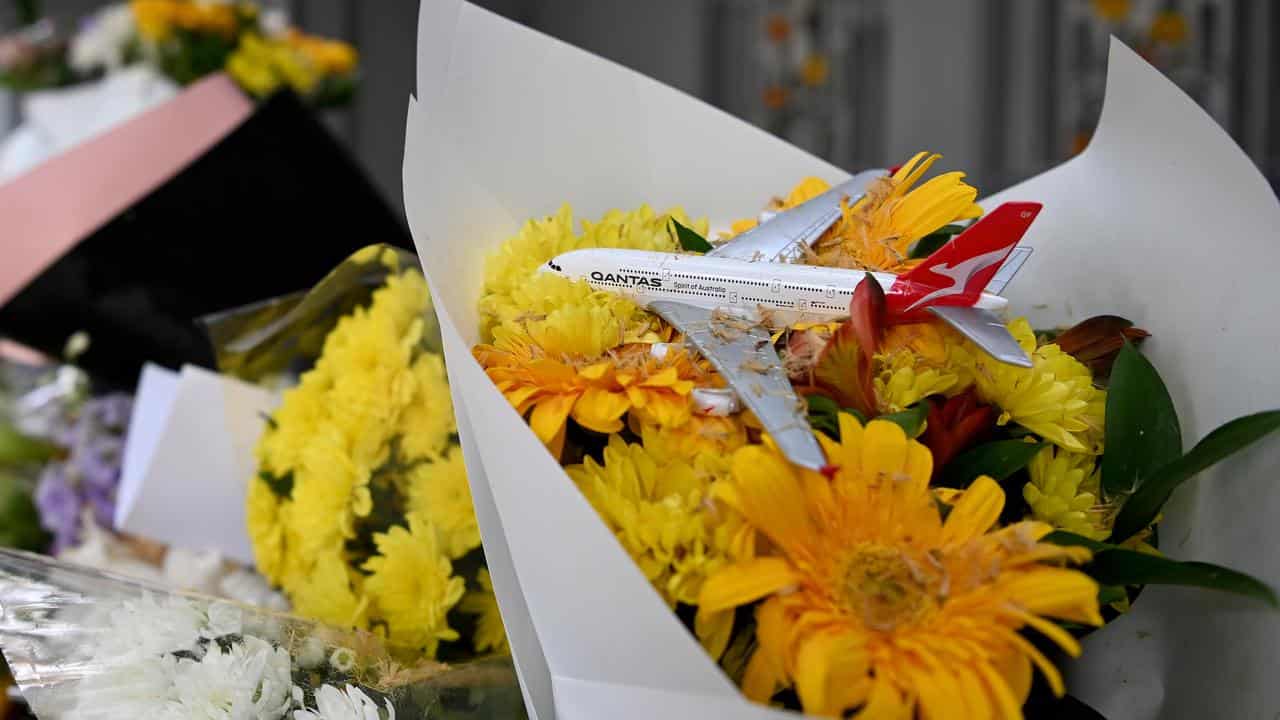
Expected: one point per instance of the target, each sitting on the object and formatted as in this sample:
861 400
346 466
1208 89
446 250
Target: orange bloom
596 392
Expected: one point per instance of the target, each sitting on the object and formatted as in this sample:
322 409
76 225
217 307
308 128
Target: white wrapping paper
1163 220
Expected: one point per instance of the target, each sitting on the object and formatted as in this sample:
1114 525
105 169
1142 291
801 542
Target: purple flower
88 477
59 506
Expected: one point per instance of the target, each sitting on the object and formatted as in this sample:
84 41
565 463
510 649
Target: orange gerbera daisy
874 603
595 391
877 232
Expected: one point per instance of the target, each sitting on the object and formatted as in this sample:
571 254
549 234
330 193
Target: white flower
102 41
222 619
250 588
191 570
311 653
148 628
343 660
348 704
141 688
248 681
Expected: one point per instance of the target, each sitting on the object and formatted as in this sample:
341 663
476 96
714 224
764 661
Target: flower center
884 588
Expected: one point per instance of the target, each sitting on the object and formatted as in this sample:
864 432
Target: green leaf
930 243
1144 505
689 239
998 459
1069 539
1108 594
910 420
18 448
1142 432
1118 566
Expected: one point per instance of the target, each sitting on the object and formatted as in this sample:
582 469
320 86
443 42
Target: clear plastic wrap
90 645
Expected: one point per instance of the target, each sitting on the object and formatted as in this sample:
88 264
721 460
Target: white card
192 491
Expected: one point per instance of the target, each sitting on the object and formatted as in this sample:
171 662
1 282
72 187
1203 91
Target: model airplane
754 274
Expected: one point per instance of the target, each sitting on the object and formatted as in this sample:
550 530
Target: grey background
992 84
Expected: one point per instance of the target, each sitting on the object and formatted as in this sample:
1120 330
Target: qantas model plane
756 273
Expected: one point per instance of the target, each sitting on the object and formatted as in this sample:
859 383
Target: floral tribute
361 511
975 518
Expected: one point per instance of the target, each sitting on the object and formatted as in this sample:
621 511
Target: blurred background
1004 88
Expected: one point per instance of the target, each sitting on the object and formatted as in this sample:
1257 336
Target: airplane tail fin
957 273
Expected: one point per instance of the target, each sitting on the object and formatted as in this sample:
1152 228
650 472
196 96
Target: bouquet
361 511
85 644
189 39
970 518
958 486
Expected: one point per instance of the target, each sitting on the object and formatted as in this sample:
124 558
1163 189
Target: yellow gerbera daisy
873 602
877 232
1065 491
595 391
490 635
662 511
412 585
1055 398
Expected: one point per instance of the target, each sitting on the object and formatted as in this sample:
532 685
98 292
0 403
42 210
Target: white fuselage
713 282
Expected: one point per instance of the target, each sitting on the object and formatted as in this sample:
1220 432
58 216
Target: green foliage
1142 431
1116 566
19 520
690 240
997 460
1141 508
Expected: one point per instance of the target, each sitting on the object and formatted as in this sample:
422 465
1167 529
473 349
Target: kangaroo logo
960 274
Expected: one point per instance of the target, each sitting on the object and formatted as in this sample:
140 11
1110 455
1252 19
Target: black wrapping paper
267 211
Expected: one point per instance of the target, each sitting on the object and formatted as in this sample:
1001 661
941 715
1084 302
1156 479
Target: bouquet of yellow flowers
361 511
827 465
189 39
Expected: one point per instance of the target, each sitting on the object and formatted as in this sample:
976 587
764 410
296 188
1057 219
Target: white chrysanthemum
249 681
103 38
348 704
148 628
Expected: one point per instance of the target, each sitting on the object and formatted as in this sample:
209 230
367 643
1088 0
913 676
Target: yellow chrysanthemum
490 635
261 66
439 492
330 491
412 585
708 437
662 512
1055 398
427 423
327 57
917 360
1065 491
539 240
596 392
567 317
877 232
266 533
331 593
873 603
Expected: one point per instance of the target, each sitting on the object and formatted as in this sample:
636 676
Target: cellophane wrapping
90 645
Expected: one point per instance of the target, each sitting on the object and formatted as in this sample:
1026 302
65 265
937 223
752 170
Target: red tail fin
956 273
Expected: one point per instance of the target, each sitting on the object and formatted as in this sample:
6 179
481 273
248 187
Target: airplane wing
986 330
744 355
782 237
